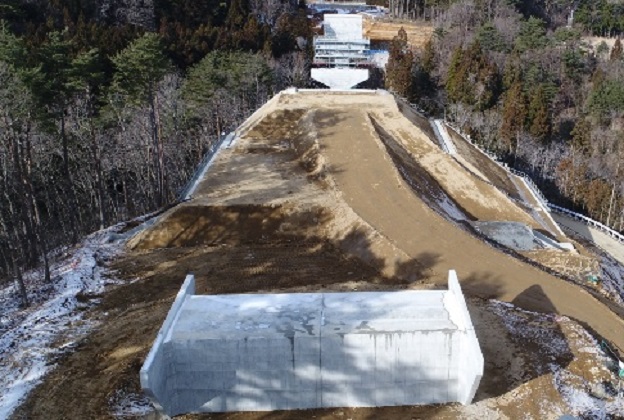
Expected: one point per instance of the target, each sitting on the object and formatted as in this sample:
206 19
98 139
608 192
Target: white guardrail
534 189
590 222
538 194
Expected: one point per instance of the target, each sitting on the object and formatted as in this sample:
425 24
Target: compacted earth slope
338 192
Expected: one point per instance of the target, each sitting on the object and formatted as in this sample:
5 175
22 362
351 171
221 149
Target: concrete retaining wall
340 78
471 360
298 351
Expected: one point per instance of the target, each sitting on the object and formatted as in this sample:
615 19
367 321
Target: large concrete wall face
297 351
157 374
340 78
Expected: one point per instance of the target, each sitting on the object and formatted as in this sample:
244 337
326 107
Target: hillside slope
319 192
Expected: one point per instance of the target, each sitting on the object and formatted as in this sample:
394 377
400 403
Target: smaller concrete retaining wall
470 368
191 185
310 350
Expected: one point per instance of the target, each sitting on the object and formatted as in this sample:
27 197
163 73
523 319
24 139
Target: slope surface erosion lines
370 185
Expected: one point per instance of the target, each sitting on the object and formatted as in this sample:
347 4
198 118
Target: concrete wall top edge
306 314
455 302
187 289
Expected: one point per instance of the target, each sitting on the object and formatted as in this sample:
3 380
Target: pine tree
12 50
455 76
139 69
514 115
428 57
512 72
539 114
238 14
472 79
489 37
399 67
581 136
532 35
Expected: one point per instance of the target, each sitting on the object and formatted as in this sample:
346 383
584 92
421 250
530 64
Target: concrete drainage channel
219 353
518 236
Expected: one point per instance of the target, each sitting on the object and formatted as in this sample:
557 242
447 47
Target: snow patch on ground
584 398
125 404
581 403
32 339
516 321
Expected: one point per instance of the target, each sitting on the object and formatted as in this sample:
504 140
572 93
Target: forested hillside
523 81
107 106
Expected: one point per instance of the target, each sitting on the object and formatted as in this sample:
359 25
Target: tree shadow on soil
406 271
515 358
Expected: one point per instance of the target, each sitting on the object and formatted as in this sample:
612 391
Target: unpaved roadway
371 185
604 241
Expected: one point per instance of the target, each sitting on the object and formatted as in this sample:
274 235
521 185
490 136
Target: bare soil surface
483 165
312 197
371 185
383 30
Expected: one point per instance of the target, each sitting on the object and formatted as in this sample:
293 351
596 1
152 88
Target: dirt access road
371 185
603 240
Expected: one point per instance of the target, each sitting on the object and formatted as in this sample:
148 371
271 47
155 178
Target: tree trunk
20 283
608 223
157 152
73 208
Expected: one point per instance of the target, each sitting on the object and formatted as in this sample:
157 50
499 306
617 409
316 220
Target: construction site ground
418 34
341 192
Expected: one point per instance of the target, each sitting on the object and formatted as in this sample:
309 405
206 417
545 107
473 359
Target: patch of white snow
31 338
